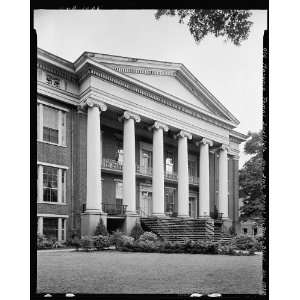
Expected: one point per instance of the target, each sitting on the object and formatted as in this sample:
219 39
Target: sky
233 74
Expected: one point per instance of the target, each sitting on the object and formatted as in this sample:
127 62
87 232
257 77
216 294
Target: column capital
130 115
204 141
183 133
158 125
92 102
235 157
224 147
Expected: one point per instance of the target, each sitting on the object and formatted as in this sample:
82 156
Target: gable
170 85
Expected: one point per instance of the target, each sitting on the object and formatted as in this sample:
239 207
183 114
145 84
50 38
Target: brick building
122 138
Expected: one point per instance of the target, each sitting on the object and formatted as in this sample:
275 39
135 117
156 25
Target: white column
94 186
204 208
59 229
183 174
129 166
40 225
223 182
158 169
40 184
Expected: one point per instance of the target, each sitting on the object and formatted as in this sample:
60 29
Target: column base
131 219
183 216
159 215
90 220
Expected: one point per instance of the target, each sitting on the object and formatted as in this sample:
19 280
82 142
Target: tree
233 25
251 178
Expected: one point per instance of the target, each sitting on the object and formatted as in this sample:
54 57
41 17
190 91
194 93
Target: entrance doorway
193 206
145 200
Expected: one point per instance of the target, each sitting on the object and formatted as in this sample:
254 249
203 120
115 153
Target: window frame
61 186
62 122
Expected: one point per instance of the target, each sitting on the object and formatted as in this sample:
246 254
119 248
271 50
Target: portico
130 121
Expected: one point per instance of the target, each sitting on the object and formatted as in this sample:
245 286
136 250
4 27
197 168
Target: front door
192 207
146 201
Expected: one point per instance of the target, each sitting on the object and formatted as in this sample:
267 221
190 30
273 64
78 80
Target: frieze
56 71
89 70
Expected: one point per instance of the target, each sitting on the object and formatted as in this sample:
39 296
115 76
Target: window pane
50 184
50 227
50 117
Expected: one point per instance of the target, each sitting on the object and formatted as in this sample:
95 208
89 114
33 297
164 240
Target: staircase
219 235
179 229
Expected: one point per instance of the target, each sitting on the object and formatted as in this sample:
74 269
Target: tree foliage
251 178
101 229
233 25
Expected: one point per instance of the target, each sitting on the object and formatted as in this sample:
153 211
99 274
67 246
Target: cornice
148 113
55 70
237 137
139 70
91 70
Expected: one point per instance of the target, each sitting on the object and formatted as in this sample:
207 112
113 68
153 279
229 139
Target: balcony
115 167
114 209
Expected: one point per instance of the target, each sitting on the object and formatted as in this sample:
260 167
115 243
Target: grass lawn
121 272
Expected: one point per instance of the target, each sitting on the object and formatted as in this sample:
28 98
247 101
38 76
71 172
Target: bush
146 246
44 243
137 231
244 242
148 236
101 242
116 238
101 229
87 243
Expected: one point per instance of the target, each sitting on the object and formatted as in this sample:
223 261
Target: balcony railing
142 170
114 165
111 164
172 176
114 209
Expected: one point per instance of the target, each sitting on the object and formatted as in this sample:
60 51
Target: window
170 163
255 231
169 200
51 125
120 157
51 184
119 190
245 230
50 228
192 168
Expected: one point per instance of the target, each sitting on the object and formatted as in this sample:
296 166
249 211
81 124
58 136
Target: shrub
44 243
146 246
243 242
101 241
87 243
116 238
101 229
137 231
148 236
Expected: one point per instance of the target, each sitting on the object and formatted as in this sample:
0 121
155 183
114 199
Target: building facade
122 138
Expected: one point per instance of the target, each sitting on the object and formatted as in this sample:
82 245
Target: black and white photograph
150 155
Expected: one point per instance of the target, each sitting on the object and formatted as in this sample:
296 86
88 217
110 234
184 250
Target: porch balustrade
111 164
114 209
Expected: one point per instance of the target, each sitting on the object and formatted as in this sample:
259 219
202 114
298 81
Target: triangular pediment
171 78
